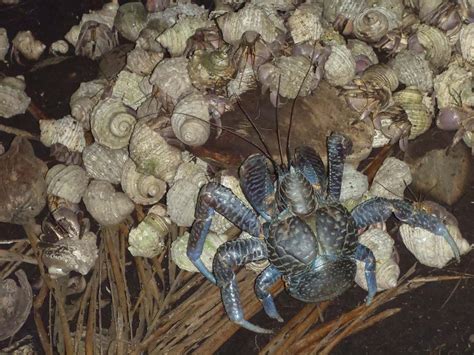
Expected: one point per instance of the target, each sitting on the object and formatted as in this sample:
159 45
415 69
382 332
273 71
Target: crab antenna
288 135
259 134
276 123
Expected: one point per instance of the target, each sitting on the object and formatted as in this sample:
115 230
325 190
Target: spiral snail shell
67 181
13 99
112 123
103 163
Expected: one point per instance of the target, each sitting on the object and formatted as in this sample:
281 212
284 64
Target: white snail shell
354 184
436 44
340 66
66 131
103 163
142 189
190 120
13 99
179 246
455 79
112 123
466 41
142 62
27 45
69 182
381 75
132 89
391 179
107 206
413 70
430 249
150 151
387 270
105 15
4 44
305 23
174 38
347 8
72 35
148 238
59 47
69 254
419 115
84 99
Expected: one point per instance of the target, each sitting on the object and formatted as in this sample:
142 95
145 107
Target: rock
437 172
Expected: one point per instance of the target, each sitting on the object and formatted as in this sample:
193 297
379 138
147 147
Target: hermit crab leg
364 254
214 197
257 184
379 209
264 281
235 253
338 147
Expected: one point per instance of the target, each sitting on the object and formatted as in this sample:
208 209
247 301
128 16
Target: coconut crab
309 238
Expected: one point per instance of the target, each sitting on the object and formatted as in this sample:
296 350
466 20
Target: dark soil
436 318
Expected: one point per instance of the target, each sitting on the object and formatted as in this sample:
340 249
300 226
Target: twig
6 255
18 132
42 334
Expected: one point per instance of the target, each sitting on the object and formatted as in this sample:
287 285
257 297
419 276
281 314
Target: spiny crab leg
379 209
214 197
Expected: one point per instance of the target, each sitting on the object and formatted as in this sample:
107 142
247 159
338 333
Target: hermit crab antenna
259 134
276 123
288 135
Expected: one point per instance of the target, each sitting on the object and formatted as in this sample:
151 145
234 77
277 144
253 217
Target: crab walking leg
338 147
265 280
214 197
257 184
364 254
235 253
379 209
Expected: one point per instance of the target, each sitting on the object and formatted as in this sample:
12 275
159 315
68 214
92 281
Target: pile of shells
190 65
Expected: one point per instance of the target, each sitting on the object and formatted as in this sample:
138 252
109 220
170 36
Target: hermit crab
298 224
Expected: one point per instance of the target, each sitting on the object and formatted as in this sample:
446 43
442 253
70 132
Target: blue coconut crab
299 226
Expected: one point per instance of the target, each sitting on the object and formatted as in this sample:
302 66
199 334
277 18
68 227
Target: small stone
437 172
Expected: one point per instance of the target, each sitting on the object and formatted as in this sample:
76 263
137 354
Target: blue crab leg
230 254
310 163
214 197
364 254
379 209
338 147
267 278
257 184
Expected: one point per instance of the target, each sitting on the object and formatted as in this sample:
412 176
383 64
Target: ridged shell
71 255
131 88
148 238
468 138
28 46
362 53
13 99
436 44
182 196
23 188
371 25
391 179
413 70
340 66
142 62
66 131
69 182
430 249
387 270
305 23
382 75
130 19
290 72
107 206
103 163
245 80
4 44
354 183
411 99
466 42
59 47
84 99
210 69
142 189
249 18
150 151
112 123
346 8
452 86
190 120
174 38
179 246
172 79
194 172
